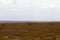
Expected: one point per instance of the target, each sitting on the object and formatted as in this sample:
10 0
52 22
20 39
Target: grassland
30 31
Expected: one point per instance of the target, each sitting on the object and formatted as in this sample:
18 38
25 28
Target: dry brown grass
30 31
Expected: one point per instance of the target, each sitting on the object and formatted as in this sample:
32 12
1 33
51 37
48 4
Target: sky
29 10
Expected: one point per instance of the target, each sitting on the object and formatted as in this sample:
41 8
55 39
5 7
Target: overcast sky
30 10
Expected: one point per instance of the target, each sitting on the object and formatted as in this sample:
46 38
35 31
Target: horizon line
29 21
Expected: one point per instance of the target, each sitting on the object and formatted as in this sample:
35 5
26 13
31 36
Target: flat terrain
30 31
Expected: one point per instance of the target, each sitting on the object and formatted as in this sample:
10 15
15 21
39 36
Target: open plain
30 31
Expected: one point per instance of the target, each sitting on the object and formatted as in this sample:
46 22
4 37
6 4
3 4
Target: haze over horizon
30 10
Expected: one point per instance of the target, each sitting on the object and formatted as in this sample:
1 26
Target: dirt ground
30 31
